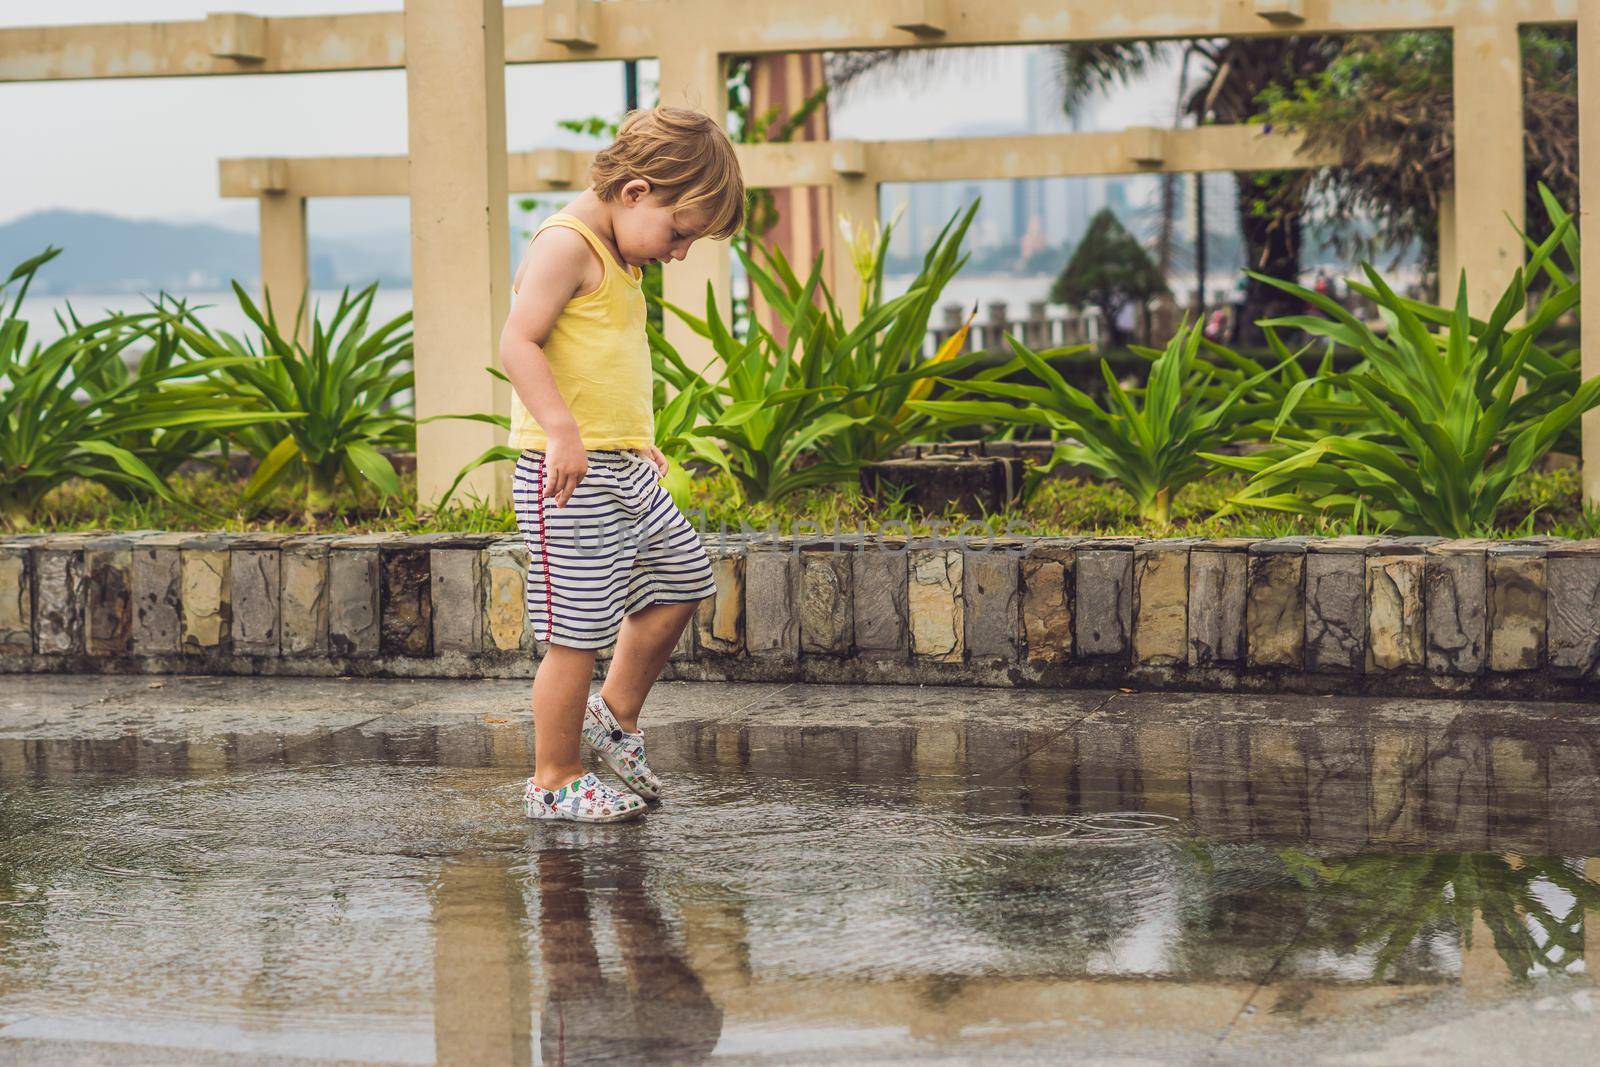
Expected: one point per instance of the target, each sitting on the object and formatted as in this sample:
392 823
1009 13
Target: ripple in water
1097 828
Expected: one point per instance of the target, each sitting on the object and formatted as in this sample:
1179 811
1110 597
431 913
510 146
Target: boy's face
649 231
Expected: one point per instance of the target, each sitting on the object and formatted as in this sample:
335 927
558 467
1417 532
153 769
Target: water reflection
656 1011
371 893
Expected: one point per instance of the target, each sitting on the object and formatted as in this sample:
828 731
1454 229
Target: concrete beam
802 163
1208 148
1146 146
1292 12
236 36
638 29
921 18
570 23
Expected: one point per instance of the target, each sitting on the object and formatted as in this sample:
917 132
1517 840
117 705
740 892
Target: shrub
1446 431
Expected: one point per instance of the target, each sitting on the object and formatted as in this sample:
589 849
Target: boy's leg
644 644
560 691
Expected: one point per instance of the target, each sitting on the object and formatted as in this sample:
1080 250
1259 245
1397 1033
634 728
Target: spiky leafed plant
338 399
1151 447
1447 430
66 412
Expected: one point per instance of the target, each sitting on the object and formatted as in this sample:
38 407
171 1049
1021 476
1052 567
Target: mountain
104 253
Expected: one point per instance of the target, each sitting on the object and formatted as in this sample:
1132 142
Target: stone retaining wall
1353 614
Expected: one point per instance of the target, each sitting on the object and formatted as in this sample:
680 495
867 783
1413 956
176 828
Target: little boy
610 555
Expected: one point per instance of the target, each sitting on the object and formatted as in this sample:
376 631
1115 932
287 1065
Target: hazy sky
149 147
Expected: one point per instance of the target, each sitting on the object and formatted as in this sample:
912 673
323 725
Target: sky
148 148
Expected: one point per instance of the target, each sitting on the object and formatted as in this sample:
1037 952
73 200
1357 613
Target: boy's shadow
657 1011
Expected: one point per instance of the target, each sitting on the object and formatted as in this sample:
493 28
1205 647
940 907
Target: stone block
1217 581
16 598
1396 631
457 598
1517 607
303 596
355 581
935 599
1275 603
158 594
992 595
1455 606
1161 603
257 586
1103 611
58 605
826 618
506 626
206 594
1572 573
108 597
405 603
719 618
1336 607
1047 596
772 603
881 601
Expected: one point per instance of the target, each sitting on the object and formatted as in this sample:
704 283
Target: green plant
336 402
810 408
1447 431
164 448
50 435
1152 448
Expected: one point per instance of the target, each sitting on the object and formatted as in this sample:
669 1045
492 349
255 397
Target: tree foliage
1395 90
1108 270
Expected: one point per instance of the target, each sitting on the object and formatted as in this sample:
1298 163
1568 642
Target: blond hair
684 156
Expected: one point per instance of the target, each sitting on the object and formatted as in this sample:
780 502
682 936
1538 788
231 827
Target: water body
277 871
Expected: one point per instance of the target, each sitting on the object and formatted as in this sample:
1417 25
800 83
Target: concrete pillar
805 213
694 78
460 241
284 271
1589 208
1449 259
1489 178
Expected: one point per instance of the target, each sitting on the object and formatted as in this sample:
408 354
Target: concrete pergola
459 174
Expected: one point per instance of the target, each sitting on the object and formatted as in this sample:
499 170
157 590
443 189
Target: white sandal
584 799
622 752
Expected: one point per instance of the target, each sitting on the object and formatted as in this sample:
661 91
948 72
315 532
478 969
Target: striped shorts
618 545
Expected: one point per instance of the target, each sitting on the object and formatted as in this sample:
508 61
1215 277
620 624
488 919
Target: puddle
1165 890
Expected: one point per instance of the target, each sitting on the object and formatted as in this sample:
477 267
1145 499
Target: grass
1547 503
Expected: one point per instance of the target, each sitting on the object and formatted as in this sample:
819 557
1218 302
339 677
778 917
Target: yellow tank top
600 357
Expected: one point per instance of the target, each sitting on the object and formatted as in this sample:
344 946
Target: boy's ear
635 191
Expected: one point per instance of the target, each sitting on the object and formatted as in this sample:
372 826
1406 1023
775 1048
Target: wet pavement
303 871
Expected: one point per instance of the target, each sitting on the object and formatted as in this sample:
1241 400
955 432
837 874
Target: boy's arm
552 273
